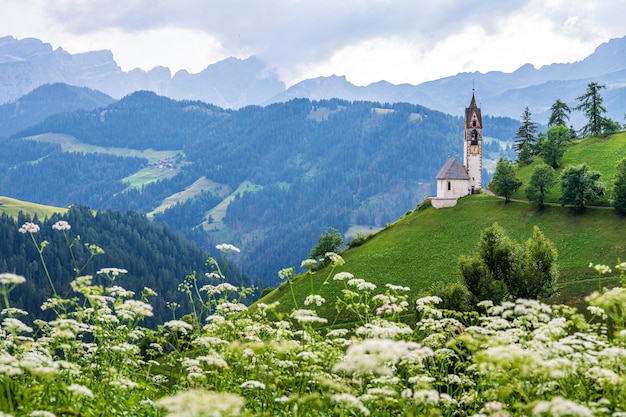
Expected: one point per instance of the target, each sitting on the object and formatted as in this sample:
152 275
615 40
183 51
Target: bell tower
473 146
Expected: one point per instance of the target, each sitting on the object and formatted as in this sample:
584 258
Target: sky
400 41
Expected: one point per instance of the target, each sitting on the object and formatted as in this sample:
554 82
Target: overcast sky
401 41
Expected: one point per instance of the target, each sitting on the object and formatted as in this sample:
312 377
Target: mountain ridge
235 83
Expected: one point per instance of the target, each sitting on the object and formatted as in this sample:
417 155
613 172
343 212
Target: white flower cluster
227 248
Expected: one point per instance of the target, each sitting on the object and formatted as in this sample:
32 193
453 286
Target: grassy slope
12 207
201 184
424 246
143 176
600 154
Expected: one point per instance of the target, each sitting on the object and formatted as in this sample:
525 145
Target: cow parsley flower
8 278
316 299
80 390
558 407
202 403
335 260
178 325
227 247
29 227
252 384
350 401
342 276
286 273
61 225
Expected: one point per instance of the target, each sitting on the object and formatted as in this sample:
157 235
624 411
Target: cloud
286 32
367 40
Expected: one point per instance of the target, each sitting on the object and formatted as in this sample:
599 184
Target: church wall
458 188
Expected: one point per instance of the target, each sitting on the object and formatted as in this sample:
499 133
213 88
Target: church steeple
473 145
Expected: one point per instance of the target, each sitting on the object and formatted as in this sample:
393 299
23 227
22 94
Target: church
455 180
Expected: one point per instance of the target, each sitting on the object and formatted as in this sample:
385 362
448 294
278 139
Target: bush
454 296
360 239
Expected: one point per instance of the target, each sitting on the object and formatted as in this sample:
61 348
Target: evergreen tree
591 106
553 146
541 179
559 113
619 188
527 133
580 187
504 182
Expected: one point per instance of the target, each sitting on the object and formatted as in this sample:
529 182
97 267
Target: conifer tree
591 106
559 113
527 133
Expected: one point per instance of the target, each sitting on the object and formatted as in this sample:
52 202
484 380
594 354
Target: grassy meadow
12 208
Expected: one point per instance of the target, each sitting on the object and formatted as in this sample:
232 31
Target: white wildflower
378 356
318 300
80 390
136 308
61 225
558 407
202 403
307 316
350 401
112 272
227 247
426 396
7 278
252 384
229 307
13 311
13 325
178 325
602 269
29 227
308 264
335 259
393 287
342 276
286 273
41 413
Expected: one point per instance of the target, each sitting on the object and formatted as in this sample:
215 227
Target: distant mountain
502 94
29 63
45 101
234 83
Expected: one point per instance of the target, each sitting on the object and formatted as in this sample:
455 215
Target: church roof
473 108
452 170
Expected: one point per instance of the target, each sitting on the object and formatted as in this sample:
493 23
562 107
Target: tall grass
516 359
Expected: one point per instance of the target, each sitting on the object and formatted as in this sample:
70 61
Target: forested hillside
45 101
308 165
153 255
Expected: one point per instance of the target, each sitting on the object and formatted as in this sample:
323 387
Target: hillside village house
455 180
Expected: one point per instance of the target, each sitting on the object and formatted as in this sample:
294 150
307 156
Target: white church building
455 180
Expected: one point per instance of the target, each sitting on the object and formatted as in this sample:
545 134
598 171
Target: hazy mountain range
234 83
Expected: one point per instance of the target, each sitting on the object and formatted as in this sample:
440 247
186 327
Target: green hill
600 154
13 207
424 246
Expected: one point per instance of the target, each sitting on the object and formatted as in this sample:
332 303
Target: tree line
580 186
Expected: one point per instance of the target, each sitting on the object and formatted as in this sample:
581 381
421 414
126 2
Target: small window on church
449 186
473 123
